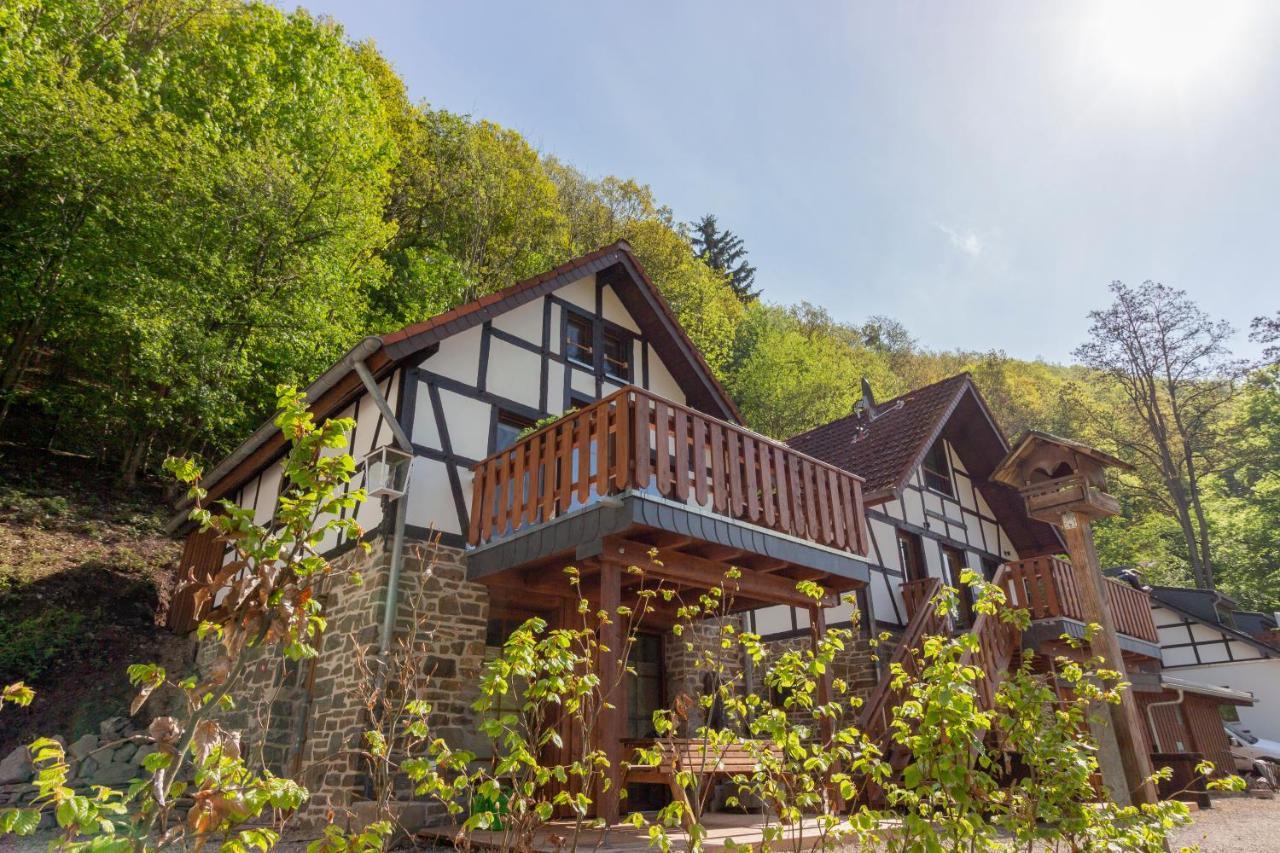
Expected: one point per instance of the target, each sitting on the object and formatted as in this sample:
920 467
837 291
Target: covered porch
638 482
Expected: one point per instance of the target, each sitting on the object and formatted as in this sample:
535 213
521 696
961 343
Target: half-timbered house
1207 638
649 458
568 419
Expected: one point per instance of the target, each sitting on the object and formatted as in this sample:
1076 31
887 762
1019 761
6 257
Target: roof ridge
886 405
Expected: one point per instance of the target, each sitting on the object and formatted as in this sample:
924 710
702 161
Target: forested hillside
200 199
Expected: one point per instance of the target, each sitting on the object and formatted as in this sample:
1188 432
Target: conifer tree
723 252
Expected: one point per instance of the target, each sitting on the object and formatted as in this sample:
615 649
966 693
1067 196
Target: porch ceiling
693 550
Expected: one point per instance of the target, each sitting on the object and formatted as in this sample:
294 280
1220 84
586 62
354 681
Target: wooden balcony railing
636 440
1046 587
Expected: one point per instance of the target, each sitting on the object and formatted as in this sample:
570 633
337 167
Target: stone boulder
84 745
16 767
113 728
115 773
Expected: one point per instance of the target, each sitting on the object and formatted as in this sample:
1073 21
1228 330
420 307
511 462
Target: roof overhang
576 534
1223 694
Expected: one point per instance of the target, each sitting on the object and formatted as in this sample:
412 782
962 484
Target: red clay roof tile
885 449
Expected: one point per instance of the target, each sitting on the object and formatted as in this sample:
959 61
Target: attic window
617 356
937 469
578 332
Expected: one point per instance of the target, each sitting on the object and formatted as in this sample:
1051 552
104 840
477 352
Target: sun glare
1170 45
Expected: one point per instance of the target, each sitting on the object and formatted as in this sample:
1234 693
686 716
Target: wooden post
817 632
609 725
1126 723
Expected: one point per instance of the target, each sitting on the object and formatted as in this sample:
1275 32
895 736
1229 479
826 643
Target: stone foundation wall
856 664
684 675
306 720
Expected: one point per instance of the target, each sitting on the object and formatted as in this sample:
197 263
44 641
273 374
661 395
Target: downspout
387 628
1151 717
397 536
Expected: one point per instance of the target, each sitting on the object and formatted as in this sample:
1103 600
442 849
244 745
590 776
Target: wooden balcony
1046 587
637 442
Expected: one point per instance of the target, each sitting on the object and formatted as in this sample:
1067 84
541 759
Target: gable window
508 429
937 469
578 335
617 356
911 556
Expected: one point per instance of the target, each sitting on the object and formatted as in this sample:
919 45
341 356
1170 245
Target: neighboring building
1207 638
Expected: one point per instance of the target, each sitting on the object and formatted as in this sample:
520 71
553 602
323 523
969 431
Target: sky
980 171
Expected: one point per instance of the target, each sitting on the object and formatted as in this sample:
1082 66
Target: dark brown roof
886 449
619 265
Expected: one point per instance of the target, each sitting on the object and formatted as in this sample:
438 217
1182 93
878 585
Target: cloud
964 241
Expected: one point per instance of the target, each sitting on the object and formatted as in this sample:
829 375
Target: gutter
357 354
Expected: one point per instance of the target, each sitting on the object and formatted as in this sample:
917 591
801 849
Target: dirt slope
83 566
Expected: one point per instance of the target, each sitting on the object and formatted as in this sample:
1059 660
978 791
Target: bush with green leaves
266 602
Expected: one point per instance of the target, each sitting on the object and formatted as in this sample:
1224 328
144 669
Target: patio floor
740 829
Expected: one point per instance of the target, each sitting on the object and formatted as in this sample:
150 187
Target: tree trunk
16 359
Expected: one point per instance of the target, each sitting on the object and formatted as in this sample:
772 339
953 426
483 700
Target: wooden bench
708 762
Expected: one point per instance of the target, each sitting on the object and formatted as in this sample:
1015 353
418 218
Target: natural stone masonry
307 721
113 757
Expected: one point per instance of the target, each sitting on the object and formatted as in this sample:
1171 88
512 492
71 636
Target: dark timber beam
688 570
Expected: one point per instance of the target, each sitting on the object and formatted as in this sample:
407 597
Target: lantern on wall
386 472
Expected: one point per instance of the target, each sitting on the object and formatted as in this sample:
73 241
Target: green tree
794 372
724 252
1170 363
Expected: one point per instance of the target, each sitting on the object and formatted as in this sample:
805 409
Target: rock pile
112 757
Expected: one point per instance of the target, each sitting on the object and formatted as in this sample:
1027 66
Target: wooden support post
1124 718
818 632
609 726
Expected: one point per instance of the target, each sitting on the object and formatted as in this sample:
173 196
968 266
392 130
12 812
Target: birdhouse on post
1056 476
1064 483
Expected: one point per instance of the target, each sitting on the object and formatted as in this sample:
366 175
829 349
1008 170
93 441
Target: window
990 566
578 339
508 430
617 356
956 564
937 470
911 555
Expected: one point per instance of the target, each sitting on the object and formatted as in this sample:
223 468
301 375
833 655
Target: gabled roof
885 448
886 443
1199 605
340 384
1007 472
619 266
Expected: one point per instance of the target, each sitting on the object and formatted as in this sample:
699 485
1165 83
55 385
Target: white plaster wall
514 373
523 321
615 312
459 357
1259 677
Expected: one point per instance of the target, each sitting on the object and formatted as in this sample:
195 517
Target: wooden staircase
998 644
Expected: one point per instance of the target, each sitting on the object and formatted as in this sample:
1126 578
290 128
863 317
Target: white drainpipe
1151 717
402 502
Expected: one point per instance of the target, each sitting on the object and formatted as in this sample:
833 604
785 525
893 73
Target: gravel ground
1233 825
